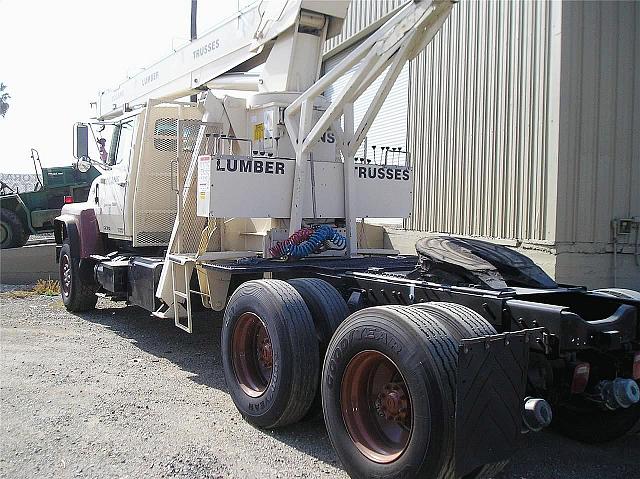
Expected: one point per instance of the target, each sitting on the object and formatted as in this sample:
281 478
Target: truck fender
66 228
80 228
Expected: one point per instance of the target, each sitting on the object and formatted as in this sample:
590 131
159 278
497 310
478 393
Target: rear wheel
463 323
12 232
388 390
588 423
77 288
270 353
328 309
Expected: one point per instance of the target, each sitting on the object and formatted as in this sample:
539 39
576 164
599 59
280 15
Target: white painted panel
262 188
387 197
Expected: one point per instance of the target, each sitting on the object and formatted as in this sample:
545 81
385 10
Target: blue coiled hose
319 236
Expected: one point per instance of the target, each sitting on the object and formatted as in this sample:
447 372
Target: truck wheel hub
392 403
265 353
252 354
66 275
376 406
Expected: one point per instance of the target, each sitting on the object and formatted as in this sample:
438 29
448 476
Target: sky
55 56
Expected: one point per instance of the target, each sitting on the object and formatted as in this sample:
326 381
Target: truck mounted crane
425 366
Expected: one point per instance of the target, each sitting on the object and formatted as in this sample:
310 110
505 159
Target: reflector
580 378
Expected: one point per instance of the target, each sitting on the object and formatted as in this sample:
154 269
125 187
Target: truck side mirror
80 141
83 165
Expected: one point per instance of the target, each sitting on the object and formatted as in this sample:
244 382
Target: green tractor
24 214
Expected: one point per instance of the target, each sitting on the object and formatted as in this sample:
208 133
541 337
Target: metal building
523 121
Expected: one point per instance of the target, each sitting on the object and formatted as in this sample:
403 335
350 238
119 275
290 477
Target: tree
4 96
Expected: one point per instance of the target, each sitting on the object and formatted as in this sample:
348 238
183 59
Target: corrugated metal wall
389 128
599 171
478 118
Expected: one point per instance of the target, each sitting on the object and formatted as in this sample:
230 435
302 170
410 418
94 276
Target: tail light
68 200
580 378
636 366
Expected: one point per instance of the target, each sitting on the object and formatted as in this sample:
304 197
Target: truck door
113 185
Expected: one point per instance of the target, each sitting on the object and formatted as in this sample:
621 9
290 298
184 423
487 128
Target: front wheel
76 287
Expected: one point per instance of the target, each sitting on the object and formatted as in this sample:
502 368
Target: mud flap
492 375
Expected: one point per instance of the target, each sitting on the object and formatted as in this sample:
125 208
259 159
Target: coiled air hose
312 239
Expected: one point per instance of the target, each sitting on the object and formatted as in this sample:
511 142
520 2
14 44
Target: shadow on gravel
544 455
199 354
549 455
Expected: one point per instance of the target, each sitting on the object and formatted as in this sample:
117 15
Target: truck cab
135 199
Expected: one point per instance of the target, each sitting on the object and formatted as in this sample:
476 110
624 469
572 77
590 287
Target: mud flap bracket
492 375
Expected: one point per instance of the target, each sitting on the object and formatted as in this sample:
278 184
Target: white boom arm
203 64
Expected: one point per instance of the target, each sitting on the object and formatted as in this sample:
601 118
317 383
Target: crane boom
245 38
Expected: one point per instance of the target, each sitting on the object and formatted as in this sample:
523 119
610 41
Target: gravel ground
116 393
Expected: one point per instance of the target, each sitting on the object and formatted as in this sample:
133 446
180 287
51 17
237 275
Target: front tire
12 232
270 353
76 287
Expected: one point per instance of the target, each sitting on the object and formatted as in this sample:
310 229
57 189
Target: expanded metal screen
194 137
155 198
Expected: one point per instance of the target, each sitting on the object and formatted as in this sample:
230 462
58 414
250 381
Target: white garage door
390 126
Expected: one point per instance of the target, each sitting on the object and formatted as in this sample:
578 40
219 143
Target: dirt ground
116 393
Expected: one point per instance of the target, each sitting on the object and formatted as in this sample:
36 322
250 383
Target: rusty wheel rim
376 406
252 354
65 276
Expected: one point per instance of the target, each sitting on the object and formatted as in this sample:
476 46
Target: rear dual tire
270 353
274 336
388 389
328 310
389 386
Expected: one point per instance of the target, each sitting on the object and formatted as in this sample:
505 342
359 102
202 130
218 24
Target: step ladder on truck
427 366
